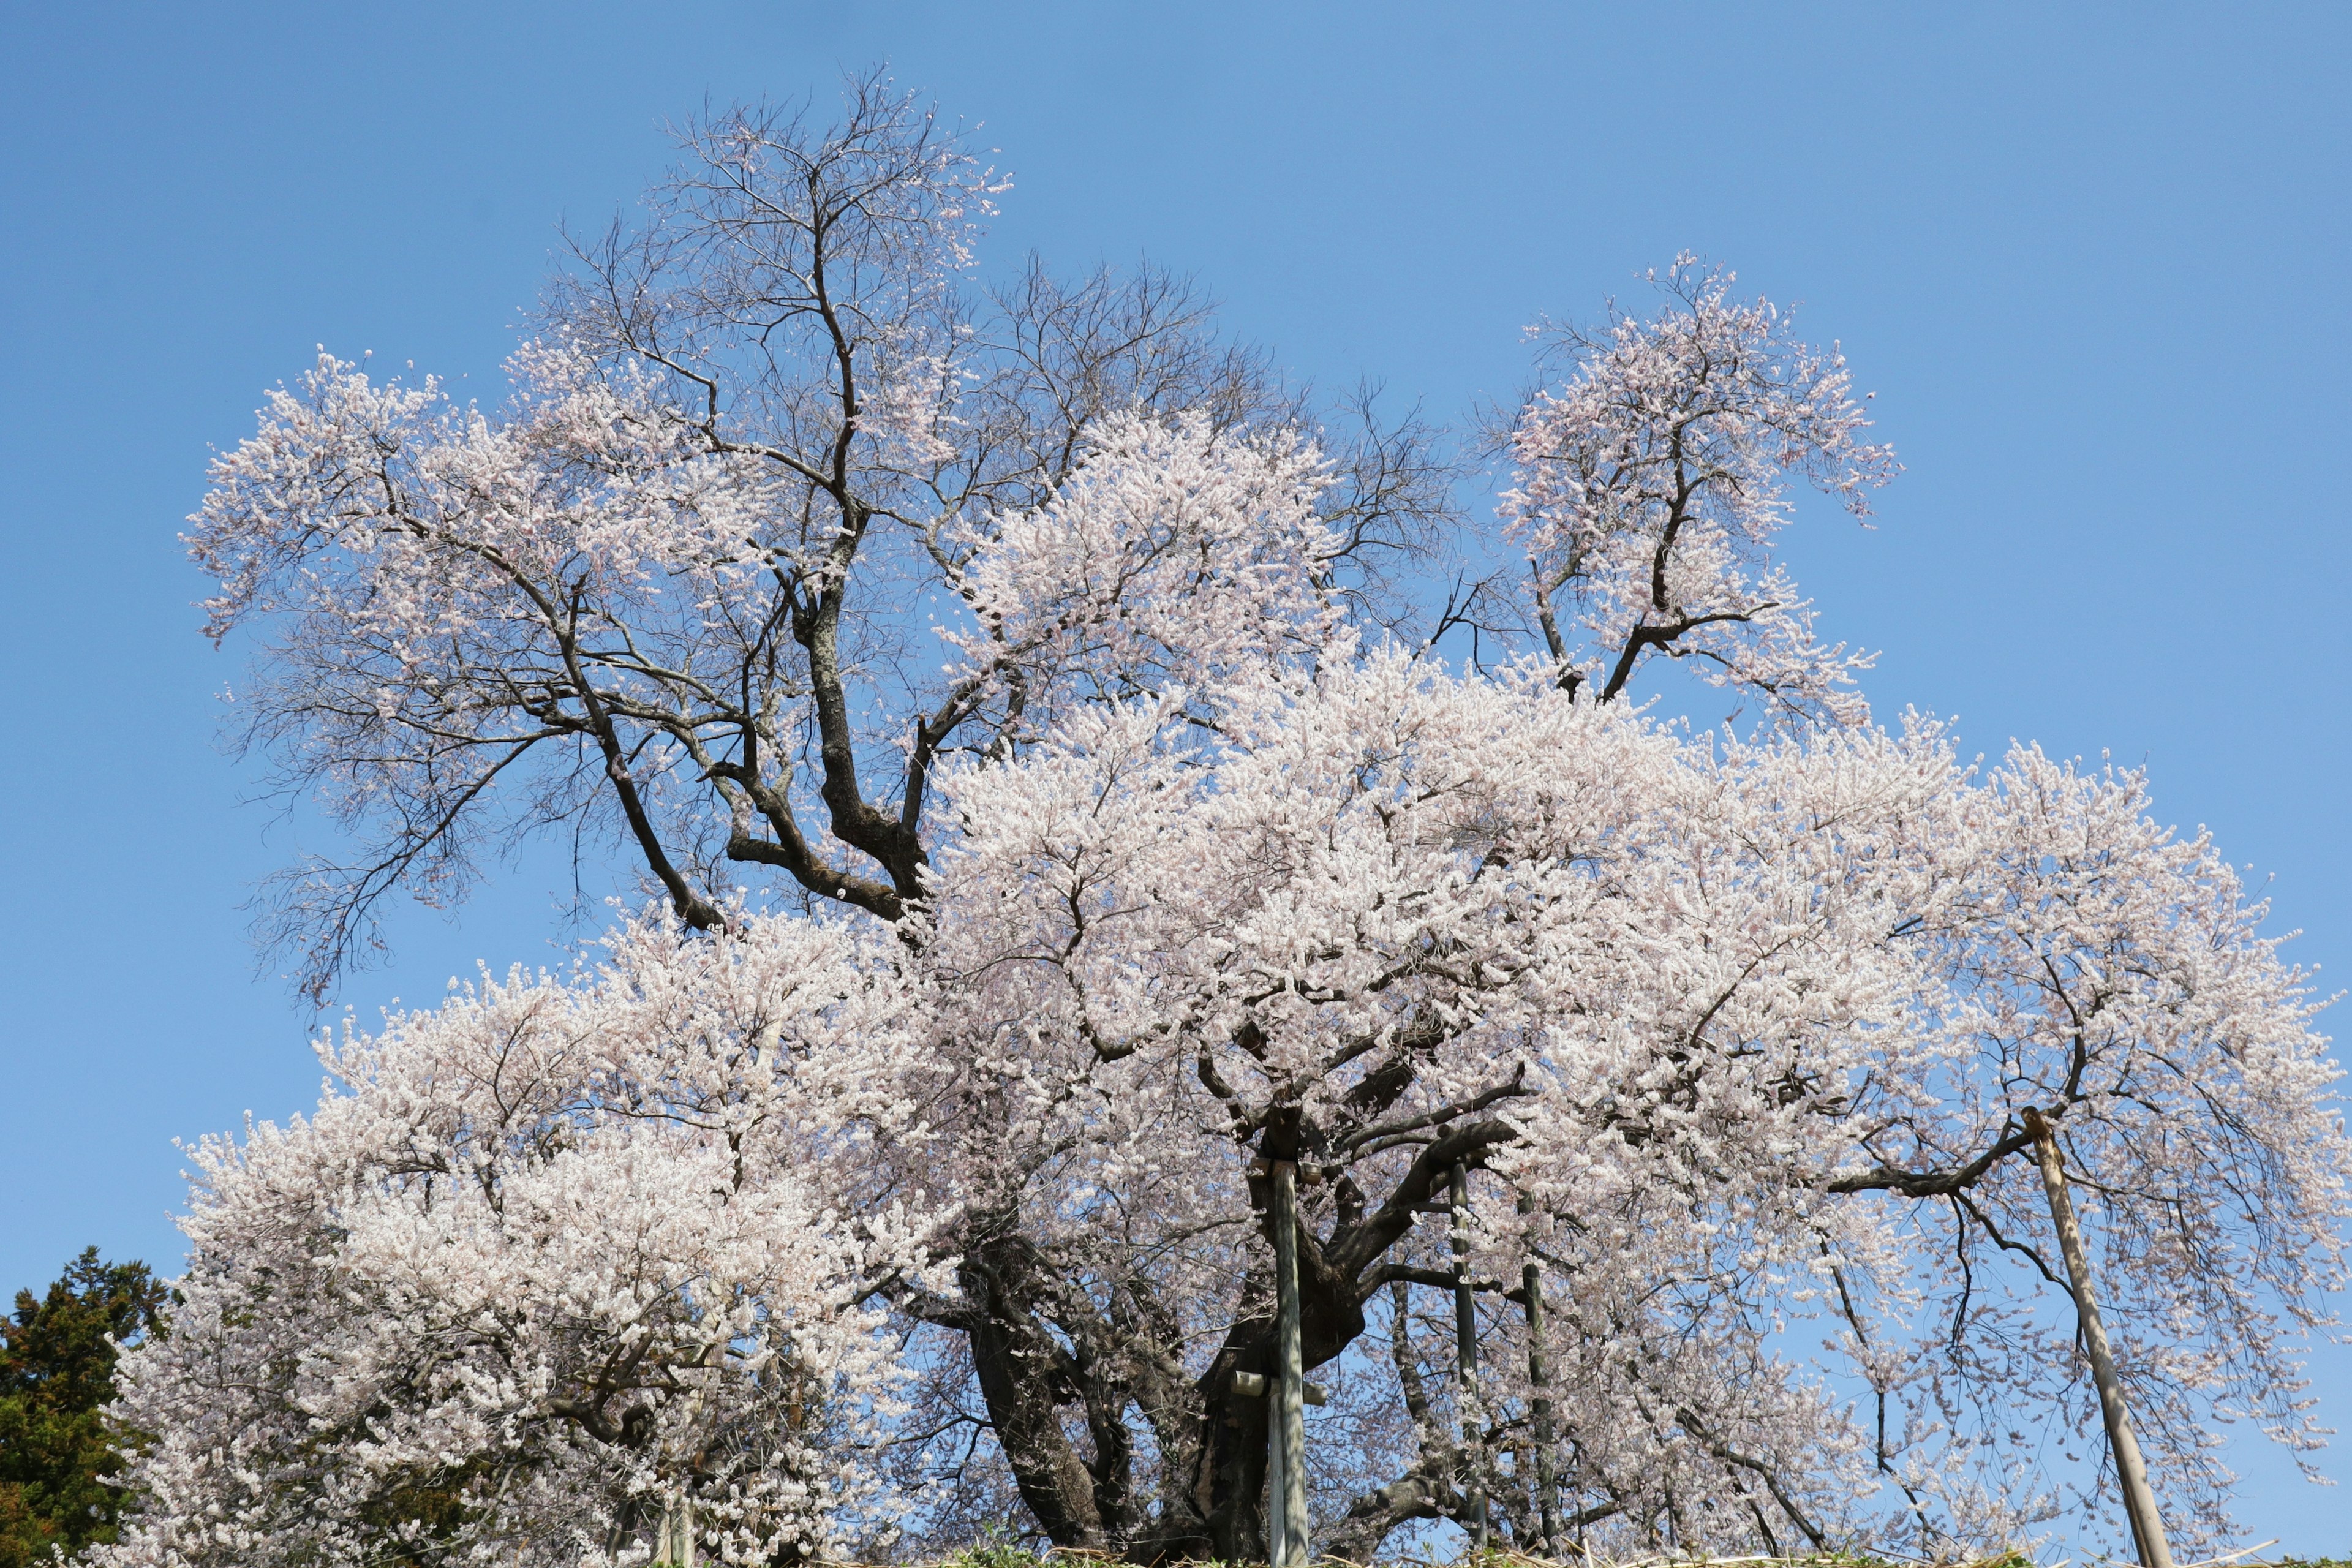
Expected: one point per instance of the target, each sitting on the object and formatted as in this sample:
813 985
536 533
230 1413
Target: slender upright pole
1276 1491
677 1543
1465 1356
2131 1473
676 1547
1539 1381
1287 1499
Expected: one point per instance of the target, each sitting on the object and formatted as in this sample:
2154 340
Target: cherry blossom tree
668 592
1650 490
928 1184
1704 1012
560 1264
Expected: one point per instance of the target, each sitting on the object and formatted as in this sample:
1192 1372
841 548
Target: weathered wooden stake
2139 1498
1465 1354
1286 1428
1539 1379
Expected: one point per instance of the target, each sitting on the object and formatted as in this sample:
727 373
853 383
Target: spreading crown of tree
902 1167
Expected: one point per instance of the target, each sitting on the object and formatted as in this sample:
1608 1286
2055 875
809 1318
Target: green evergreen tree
56 1373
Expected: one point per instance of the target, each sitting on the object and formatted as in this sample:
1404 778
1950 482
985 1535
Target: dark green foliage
57 1372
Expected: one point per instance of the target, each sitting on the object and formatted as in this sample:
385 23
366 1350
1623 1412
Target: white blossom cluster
1650 491
549 1262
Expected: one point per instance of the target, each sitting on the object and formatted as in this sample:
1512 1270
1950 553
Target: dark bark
1037 1384
1025 1379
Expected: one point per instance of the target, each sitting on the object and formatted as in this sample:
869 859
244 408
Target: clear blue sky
2094 260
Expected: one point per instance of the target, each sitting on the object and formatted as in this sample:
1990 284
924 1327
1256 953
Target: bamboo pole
2131 1473
1539 1381
1286 1428
1465 1356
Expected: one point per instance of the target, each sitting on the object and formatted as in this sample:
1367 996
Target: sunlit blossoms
1652 483
1054 812
556 1263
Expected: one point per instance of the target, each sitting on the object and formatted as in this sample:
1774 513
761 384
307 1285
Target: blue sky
2093 259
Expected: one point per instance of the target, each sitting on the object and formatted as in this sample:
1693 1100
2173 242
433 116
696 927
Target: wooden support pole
1539 1403
1287 1410
676 1547
1278 1489
2131 1473
1465 1357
